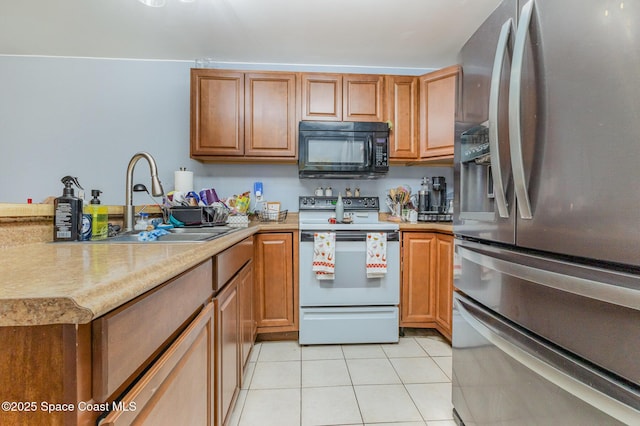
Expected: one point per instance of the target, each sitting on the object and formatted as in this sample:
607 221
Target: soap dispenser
67 219
99 217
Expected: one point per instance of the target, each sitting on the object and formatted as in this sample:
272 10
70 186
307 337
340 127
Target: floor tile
255 351
442 423
248 374
276 375
372 372
330 406
322 352
328 372
433 400
234 420
277 407
363 351
405 348
279 351
418 370
445 364
397 424
386 403
434 346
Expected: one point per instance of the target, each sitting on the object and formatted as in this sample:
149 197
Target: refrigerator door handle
582 286
583 391
494 143
515 130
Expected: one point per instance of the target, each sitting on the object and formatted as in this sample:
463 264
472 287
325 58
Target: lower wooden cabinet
276 299
247 317
177 388
427 281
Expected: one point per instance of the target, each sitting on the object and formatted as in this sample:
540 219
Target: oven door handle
307 236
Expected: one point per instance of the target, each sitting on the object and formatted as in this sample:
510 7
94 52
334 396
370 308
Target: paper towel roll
183 181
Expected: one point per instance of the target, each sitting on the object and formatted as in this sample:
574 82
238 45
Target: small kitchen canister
319 192
328 192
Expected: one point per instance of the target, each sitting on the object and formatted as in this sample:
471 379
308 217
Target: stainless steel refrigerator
546 326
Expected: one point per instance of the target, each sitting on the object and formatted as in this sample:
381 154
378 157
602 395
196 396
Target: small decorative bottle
339 209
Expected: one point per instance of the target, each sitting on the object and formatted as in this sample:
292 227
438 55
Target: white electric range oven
351 307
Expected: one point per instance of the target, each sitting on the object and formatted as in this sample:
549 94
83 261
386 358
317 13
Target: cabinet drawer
177 388
230 261
127 339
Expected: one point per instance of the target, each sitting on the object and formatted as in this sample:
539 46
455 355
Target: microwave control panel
381 159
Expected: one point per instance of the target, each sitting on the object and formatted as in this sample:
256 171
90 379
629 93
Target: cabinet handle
494 143
515 130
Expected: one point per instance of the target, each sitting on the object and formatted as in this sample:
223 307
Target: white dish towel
324 253
376 254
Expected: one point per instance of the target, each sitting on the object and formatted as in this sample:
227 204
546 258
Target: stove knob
347 202
312 201
304 201
365 202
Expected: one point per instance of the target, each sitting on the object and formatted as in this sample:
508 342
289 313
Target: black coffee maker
438 194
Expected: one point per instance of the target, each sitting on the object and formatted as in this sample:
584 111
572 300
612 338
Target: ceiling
420 34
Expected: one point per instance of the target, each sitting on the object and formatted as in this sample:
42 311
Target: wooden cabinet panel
322 97
362 97
270 115
122 350
438 92
247 318
227 350
217 112
177 388
402 112
418 290
276 298
444 283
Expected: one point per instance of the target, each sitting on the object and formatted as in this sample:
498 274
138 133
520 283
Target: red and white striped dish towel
324 252
376 254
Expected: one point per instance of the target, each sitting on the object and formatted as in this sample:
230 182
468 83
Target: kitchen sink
175 235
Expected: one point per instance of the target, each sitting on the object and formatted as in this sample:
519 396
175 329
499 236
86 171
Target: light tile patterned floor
408 383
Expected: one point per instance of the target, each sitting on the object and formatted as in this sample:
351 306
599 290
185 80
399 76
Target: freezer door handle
494 143
562 379
515 130
521 266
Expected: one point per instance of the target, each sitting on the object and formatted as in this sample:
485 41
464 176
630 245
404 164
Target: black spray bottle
67 220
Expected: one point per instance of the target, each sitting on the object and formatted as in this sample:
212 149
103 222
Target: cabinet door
444 283
227 350
322 97
276 305
177 388
270 115
402 111
438 91
363 97
247 318
418 279
217 112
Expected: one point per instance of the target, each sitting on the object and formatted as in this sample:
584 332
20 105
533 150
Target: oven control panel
329 203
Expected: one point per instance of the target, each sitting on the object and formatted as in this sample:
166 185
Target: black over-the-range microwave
343 150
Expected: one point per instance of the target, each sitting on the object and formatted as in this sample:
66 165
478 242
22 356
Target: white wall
87 117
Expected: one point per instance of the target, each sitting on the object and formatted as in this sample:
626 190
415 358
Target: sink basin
176 235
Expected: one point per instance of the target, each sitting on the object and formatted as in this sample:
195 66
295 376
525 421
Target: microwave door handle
515 130
494 143
370 153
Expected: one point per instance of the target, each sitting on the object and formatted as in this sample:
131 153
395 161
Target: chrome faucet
156 186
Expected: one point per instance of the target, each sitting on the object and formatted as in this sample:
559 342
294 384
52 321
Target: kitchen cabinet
227 365
247 318
427 281
276 299
244 116
437 111
402 112
342 97
177 389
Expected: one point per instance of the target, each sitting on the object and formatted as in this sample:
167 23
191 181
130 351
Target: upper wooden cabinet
402 112
438 93
342 97
237 115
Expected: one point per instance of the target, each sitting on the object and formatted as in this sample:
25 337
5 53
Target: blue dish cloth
152 235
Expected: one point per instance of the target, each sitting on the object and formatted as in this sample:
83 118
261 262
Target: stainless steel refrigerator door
504 375
580 129
591 312
484 202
